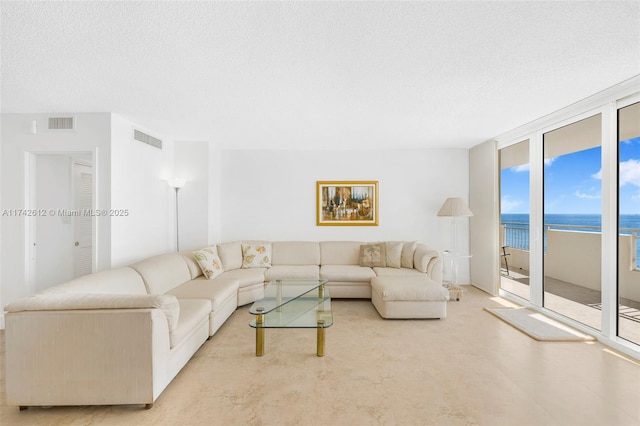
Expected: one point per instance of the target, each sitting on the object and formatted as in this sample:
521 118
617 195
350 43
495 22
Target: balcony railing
516 235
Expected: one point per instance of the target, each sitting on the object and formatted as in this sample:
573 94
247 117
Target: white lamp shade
176 182
454 206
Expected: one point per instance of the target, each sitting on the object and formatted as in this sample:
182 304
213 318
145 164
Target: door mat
538 326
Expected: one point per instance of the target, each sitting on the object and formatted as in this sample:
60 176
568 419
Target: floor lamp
176 184
454 207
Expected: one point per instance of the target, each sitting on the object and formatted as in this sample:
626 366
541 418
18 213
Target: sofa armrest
74 301
86 357
429 261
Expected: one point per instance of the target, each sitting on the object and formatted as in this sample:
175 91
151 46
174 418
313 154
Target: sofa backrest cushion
339 252
428 260
111 281
295 253
168 304
164 272
230 255
192 264
408 250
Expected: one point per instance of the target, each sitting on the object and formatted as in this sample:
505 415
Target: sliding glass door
514 219
572 212
569 205
629 223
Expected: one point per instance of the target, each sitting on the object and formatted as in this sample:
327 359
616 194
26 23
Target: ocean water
518 224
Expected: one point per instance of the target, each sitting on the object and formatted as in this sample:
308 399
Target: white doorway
83 229
60 235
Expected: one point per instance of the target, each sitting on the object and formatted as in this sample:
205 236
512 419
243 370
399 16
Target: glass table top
294 304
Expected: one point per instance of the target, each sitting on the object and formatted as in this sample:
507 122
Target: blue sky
572 183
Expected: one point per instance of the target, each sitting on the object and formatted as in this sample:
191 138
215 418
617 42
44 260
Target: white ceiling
315 74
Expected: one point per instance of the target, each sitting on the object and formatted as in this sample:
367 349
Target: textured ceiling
316 74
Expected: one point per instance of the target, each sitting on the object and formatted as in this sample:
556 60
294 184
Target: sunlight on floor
580 312
504 302
547 320
621 356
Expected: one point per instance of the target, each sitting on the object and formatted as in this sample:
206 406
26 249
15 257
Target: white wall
215 200
193 164
139 184
271 194
91 134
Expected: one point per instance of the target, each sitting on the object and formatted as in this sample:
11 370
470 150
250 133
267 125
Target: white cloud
507 205
580 194
630 172
521 168
527 167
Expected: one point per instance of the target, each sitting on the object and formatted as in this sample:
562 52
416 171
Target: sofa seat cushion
408 289
346 273
245 277
217 291
192 313
398 272
297 272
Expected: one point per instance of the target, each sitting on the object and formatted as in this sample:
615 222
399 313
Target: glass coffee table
293 304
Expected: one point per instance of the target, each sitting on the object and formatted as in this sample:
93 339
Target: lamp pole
454 271
176 184
177 222
454 207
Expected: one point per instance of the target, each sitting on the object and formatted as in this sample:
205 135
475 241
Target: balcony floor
575 302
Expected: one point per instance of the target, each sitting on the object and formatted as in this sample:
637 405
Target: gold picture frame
347 203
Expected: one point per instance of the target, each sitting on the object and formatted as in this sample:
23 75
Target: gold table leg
320 344
321 291
260 333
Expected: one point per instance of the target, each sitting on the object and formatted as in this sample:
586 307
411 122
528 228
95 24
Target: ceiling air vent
148 139
61 123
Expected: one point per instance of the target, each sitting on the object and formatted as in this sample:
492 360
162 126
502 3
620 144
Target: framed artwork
347 203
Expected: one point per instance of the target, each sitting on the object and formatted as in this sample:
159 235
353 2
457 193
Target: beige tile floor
470 368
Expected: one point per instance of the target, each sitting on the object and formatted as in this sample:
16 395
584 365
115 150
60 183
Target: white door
83 229
52 232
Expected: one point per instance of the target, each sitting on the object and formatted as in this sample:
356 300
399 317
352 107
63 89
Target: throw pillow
372 255
408 249
394 254
256 256
209 262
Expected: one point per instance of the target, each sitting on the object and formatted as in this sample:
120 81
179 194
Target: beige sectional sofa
120 336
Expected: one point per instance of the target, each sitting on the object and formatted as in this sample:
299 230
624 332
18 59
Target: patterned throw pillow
256 256
209 262
373 255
